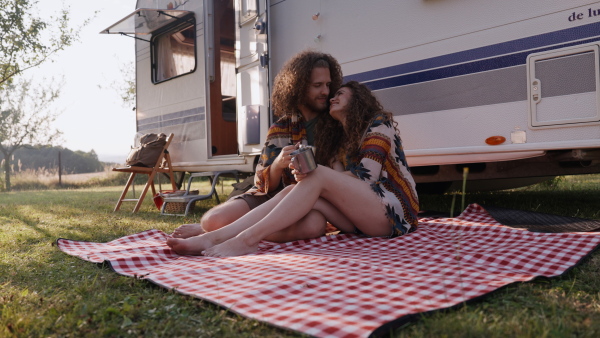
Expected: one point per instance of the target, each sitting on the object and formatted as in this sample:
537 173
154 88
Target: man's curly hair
362 108
291 84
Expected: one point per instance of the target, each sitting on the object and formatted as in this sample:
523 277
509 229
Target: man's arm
282 161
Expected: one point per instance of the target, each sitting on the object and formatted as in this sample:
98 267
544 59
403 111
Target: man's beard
312 105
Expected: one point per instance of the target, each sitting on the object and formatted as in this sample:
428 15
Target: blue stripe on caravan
169 123
462 69
171 119
170 116
519 45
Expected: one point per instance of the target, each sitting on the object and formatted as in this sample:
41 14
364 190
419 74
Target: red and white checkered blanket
347 285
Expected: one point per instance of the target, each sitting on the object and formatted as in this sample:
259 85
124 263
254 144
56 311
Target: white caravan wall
445 119
176 105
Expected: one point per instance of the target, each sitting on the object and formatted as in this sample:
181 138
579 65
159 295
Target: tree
26 118
124 86
46 157
26 40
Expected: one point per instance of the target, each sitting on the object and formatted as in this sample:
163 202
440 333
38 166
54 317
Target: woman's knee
313 224
286 190
223 215
212 220
320 176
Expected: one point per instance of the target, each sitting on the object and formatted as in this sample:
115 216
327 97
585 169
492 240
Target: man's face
317 94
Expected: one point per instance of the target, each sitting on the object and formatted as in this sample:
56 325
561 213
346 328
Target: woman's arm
372 156
337 165
374 151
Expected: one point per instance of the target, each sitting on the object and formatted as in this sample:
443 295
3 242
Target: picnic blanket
347 285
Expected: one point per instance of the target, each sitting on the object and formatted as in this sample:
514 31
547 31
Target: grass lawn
44 292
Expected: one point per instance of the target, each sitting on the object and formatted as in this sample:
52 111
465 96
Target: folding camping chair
163 165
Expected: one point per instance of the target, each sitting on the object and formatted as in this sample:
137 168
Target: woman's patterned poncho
382 163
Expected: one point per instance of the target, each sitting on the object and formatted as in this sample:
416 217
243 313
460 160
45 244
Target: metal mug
304 160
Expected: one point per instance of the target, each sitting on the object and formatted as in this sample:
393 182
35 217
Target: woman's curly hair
362 108
328 139
291 84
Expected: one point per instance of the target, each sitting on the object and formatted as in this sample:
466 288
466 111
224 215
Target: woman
368 188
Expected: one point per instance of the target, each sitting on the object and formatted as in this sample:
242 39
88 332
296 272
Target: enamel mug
304 160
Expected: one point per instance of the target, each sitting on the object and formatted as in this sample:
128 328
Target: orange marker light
495 140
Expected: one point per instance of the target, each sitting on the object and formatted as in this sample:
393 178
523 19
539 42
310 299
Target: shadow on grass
581 203
44 216
32 222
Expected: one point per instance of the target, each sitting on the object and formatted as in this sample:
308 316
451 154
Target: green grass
44 292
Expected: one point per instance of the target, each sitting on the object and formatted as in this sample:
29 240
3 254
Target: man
300 98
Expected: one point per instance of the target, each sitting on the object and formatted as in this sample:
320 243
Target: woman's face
339 104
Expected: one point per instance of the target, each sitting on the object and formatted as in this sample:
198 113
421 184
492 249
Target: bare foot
188 230
191 246
229 248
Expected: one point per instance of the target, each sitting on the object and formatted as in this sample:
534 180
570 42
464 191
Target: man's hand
284 159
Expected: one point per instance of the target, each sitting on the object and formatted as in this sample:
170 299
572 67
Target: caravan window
174 51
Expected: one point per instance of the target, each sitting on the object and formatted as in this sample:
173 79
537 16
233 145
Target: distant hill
112 158
45 157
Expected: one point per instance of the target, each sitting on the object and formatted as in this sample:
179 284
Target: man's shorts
254 201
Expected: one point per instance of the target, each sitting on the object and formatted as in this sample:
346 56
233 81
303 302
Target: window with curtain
174 52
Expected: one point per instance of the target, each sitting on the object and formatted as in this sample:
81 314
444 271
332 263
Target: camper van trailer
509 89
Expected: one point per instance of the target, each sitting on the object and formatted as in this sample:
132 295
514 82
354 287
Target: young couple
362 183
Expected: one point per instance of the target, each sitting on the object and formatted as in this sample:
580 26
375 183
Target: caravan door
252 75
221 96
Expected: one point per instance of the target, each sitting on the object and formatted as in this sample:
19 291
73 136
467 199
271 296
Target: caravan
509 89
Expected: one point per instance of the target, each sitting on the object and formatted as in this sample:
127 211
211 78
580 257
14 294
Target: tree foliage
26 117
125 85
46 157
26 40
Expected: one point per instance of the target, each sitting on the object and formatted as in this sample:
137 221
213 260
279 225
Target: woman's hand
337 166
284 159
298 176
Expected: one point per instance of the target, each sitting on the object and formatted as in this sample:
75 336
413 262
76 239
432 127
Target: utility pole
59 170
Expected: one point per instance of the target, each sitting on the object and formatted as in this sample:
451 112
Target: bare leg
224 214
196 244
213 219
333 215
314 224
310 226
352 197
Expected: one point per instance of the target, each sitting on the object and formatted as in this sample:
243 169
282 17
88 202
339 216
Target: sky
93 115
